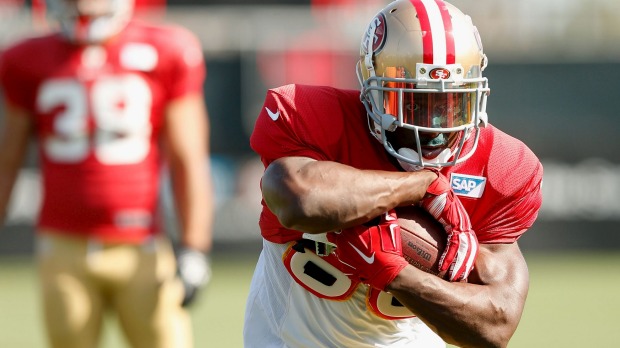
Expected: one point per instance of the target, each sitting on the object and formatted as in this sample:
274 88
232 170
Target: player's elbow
283 203
294 211
286 196
505 326
493 337
498 338
506 318
491 330
292 218
499 330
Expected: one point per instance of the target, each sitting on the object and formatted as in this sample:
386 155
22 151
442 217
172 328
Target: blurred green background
574 302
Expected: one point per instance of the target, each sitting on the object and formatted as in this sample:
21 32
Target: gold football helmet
90 21
420 71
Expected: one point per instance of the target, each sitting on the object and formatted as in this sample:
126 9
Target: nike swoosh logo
369 259
273 115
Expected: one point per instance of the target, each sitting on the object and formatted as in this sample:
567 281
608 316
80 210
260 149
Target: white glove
194 269
462 245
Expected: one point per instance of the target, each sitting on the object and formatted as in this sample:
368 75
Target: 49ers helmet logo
439 73
377 31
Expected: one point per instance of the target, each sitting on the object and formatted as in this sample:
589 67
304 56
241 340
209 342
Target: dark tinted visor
432 110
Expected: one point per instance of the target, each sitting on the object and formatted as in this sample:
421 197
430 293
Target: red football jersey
98 112
500 185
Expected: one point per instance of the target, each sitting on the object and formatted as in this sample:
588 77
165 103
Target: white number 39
120 107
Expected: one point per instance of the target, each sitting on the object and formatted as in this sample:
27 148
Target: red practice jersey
98 112
500 185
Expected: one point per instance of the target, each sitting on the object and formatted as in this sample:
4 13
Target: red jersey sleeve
290 125
515 178
15 76
308 121
510 222
185 62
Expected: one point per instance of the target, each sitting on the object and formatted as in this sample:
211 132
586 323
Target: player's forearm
193 194
7 180
482 313
467 315
14 135
321 196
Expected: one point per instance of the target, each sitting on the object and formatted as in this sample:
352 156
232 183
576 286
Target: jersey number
322 277
120 107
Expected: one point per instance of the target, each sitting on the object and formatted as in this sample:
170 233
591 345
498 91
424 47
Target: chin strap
411 154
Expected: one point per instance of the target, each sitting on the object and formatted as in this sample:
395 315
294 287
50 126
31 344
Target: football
423 239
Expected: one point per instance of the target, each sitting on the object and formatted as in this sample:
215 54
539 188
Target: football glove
194 269
373 252
462 247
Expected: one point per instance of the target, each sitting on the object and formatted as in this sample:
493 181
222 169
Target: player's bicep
502 267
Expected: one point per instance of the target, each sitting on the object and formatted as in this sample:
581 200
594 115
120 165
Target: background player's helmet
420 71
90 21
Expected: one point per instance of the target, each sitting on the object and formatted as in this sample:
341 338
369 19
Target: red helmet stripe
437 36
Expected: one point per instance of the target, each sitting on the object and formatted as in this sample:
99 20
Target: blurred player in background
111 100
331 272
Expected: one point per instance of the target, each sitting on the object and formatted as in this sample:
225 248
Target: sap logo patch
467 185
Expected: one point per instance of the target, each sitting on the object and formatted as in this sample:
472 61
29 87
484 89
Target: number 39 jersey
98 112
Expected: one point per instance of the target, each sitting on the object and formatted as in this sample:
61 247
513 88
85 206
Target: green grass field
574 301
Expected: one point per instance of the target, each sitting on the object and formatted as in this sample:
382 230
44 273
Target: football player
109 99
331 273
